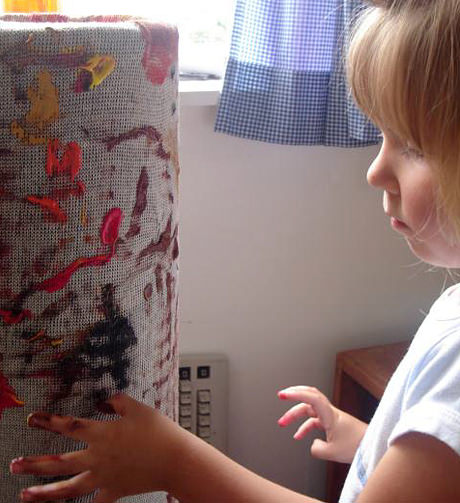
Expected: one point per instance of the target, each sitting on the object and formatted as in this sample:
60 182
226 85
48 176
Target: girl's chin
449 259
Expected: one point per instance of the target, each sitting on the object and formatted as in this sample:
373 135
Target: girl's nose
381 174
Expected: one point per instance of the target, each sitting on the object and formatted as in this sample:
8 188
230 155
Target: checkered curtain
285 79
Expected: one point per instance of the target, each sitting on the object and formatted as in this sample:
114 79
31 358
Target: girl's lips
398 225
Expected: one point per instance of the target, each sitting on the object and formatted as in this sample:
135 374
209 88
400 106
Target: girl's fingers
310 424
64 464
76 486
312 396
105 496
122 404
76 428
299 411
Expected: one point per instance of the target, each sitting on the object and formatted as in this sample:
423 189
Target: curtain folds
285 80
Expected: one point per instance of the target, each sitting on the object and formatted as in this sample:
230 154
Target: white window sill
193 93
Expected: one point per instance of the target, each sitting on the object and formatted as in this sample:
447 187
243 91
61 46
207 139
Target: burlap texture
88 225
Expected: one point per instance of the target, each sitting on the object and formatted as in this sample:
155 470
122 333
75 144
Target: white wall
286 258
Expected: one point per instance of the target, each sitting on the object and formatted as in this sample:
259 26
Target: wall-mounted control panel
203 396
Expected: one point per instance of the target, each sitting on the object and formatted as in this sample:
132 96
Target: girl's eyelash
412 152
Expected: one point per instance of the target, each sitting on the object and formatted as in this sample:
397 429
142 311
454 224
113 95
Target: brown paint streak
161 246
58 307
42 264
148 290
158 278
149 132
140 205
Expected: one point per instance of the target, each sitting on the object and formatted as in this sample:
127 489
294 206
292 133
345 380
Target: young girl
404 70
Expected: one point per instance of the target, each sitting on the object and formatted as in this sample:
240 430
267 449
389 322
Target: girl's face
408 188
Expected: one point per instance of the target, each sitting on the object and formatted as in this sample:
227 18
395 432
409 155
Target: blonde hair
403 66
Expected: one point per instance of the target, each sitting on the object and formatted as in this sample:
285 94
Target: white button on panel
204 396
204 431
185 410
185 385
185 398
185 422
204 408
204 420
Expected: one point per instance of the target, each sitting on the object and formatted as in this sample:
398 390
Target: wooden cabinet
361 376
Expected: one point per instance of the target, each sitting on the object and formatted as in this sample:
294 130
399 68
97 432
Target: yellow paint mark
16 400
73 50
84 215
44 101
29 139
100 67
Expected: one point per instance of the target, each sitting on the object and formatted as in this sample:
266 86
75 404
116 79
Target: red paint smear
109 235
111 226
49 207
11 318
160 51
65 193
8 398
59 281
71 159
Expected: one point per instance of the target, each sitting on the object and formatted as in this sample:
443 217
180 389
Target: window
204 27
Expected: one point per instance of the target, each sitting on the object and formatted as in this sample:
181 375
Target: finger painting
88 223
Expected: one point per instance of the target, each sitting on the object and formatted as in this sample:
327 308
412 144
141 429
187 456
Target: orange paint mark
84 215
26 138
37 336
56 342
44 101
8 397
50 207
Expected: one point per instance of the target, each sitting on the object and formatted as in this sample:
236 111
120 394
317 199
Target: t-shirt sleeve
432 395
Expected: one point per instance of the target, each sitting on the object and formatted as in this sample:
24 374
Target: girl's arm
417 467
205 475
143 451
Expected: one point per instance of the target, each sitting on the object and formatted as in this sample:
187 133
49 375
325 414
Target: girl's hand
343 432
132 455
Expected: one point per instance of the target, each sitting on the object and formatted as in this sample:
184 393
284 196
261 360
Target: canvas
88 225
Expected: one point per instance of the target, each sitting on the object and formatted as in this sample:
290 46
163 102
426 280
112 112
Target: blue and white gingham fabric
285 80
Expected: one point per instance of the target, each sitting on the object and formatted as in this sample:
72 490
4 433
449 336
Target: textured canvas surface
88 225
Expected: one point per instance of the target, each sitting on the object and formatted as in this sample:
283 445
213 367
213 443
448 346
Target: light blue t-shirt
423 395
